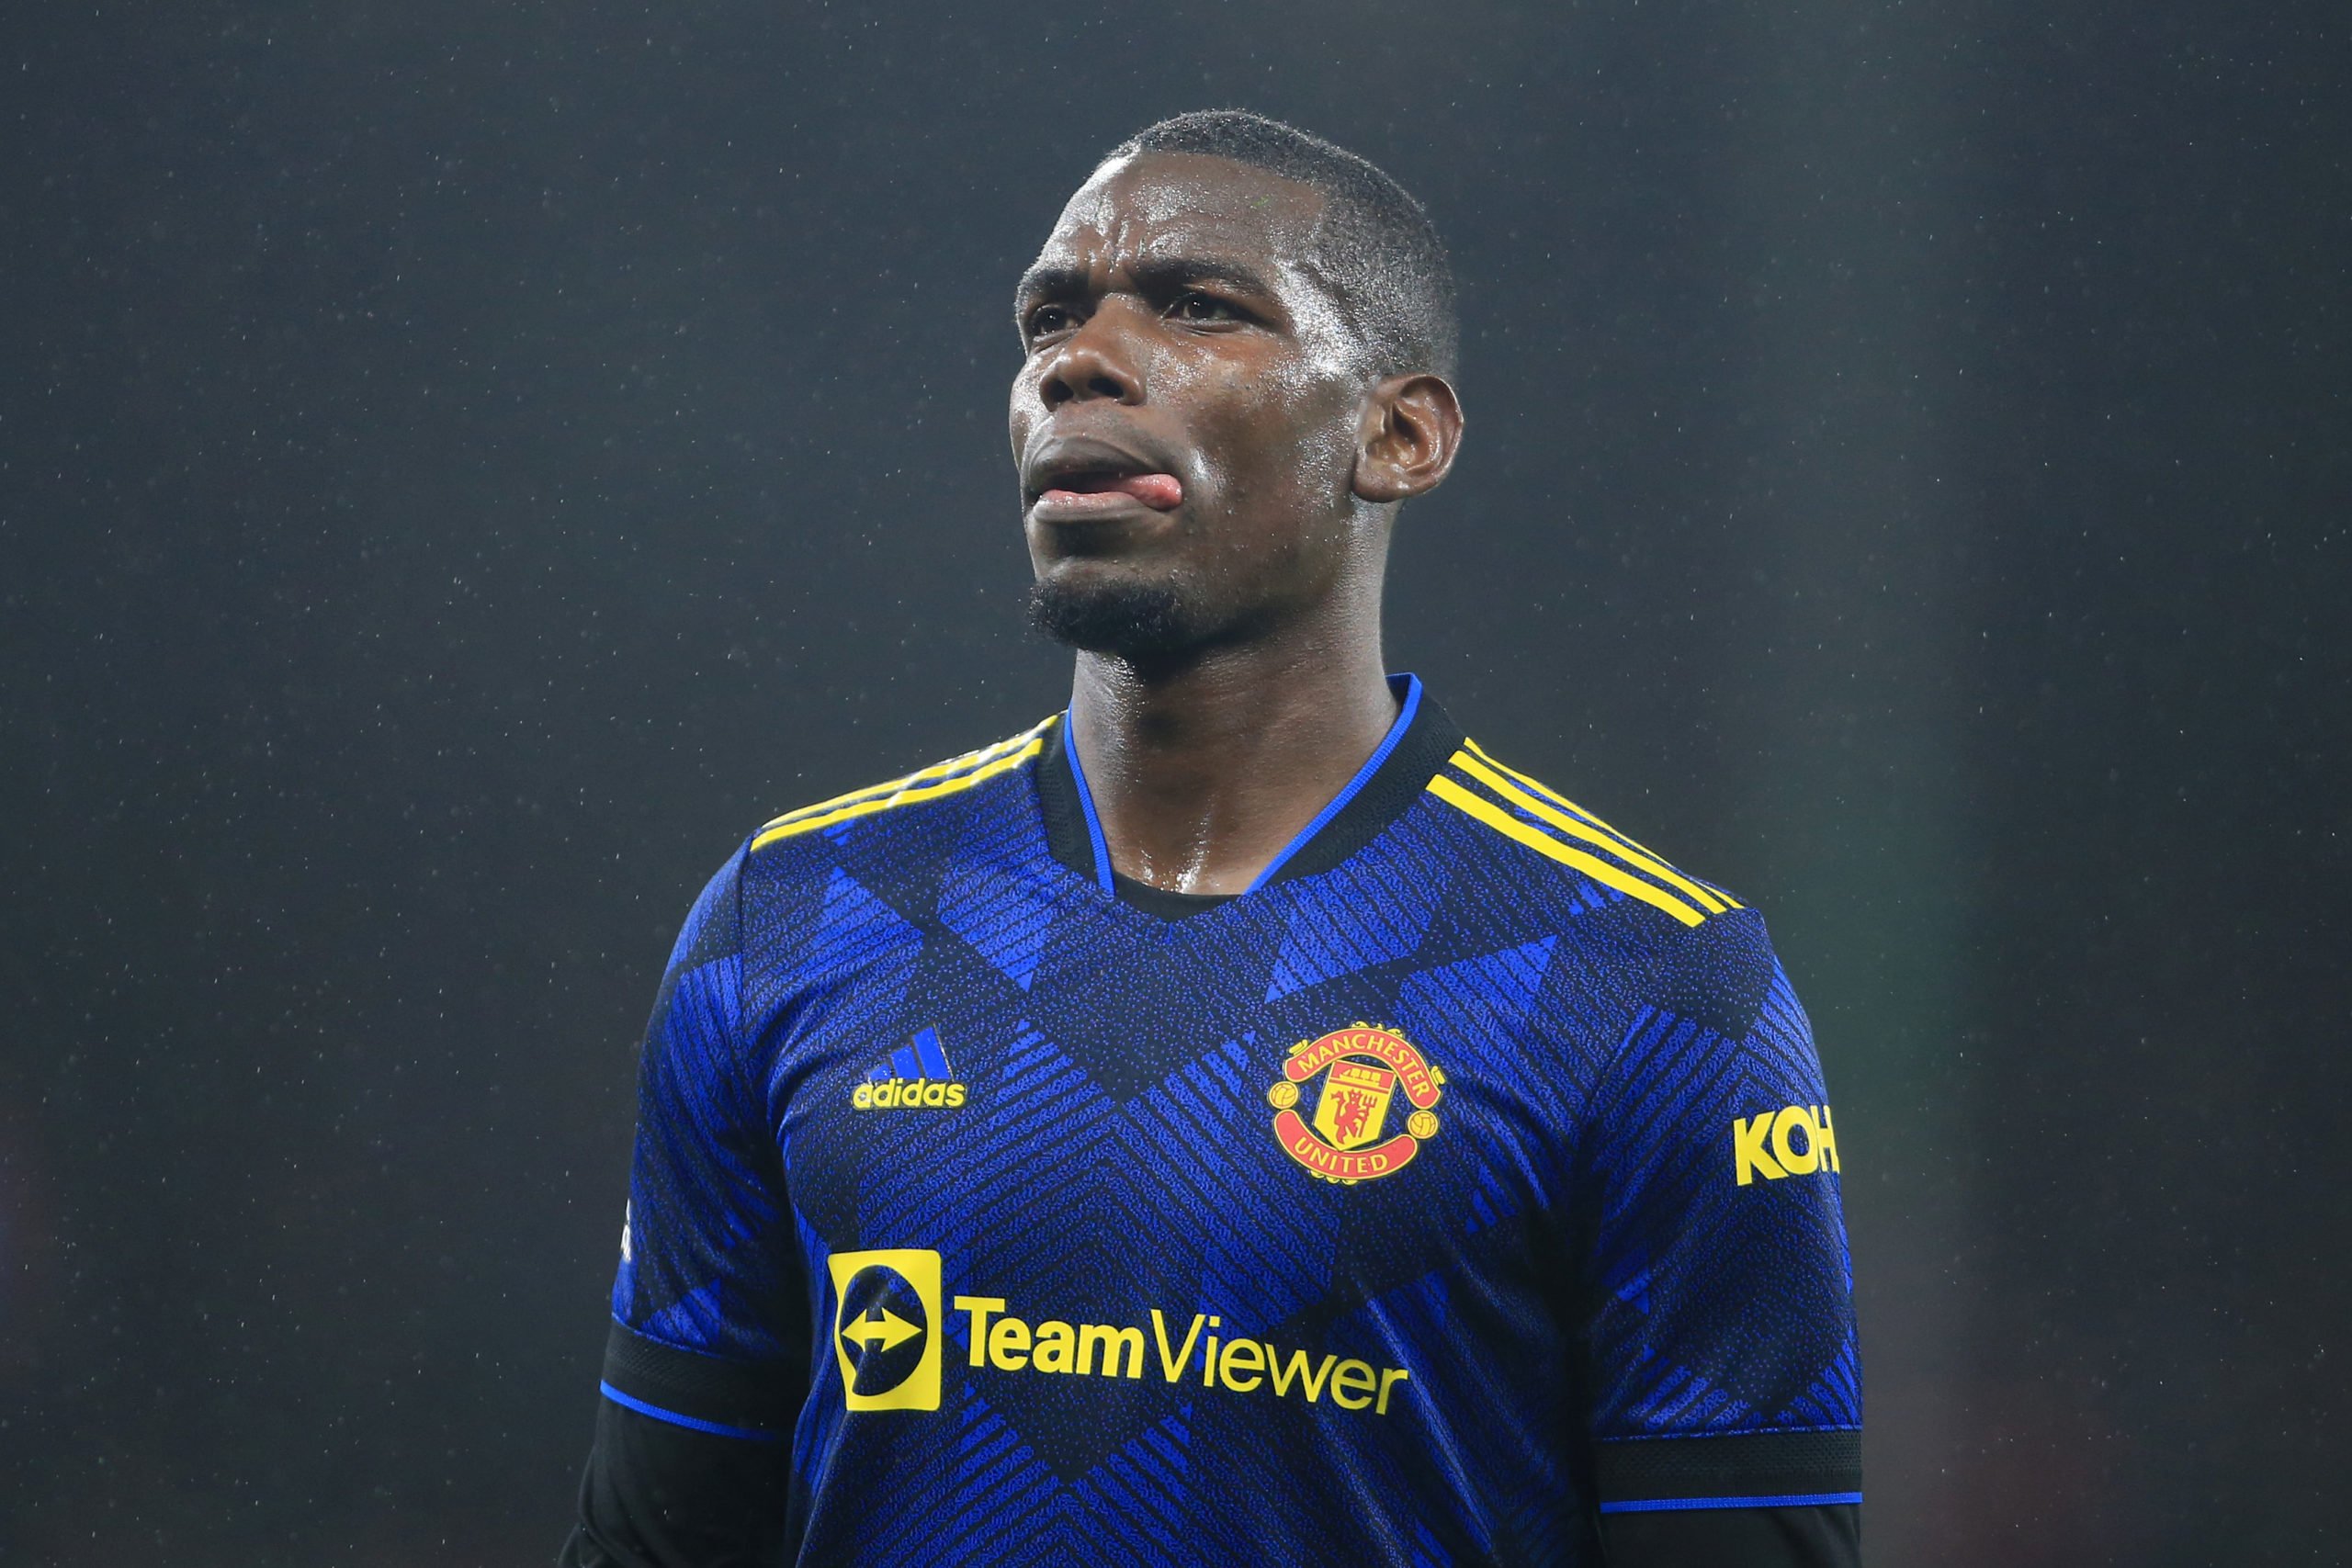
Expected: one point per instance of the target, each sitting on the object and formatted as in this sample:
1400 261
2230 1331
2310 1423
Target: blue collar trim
1407 689
1086 808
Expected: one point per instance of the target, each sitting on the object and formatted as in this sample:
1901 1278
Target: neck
1202 774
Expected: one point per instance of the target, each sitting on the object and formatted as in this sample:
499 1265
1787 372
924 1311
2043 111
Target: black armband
726 1399
1760 1499
1753 1470
692 1466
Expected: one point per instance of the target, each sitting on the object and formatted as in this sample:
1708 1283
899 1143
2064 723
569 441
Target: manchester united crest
1348 1138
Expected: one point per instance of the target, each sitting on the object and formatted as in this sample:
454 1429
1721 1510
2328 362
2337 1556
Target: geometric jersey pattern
1567 1259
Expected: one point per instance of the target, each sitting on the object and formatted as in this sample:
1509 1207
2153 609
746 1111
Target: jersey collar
1391 779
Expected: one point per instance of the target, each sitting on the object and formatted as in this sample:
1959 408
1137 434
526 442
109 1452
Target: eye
1194 306
1047 319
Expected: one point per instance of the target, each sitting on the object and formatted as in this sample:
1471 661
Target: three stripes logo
955 774
916 1076
1529 813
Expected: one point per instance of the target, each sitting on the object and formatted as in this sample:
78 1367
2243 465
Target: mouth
1079 479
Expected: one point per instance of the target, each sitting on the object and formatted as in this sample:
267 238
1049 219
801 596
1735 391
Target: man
1237 1120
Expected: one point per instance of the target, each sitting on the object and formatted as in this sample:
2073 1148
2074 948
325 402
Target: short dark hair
1375 243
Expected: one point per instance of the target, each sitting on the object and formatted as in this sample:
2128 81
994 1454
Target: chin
1138 622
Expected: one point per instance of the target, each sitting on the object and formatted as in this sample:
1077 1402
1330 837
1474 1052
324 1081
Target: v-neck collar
1390 780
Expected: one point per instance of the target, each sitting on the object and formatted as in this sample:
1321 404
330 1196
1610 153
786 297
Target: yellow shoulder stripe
936 771
1625 844
955 774
1535 838
1622 847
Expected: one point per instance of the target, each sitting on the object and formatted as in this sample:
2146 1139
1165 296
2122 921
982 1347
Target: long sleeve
1726 1413
705 1363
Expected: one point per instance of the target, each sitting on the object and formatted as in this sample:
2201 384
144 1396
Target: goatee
1141 623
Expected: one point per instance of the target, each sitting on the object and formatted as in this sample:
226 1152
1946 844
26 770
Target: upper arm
710 1258
706 1362
1722 1360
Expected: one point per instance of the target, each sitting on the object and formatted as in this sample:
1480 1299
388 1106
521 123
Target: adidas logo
917 1077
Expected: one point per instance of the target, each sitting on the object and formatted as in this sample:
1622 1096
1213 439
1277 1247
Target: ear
1411 430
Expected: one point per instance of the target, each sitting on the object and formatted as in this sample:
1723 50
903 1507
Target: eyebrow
1153 275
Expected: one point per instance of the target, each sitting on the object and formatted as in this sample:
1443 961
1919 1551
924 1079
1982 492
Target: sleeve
705 1363
1726 1381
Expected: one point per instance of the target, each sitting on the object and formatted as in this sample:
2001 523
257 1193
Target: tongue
1160 492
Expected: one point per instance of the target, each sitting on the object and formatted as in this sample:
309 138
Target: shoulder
1666 939
904 800
1534 831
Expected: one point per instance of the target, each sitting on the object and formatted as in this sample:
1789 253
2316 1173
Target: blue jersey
1469 1178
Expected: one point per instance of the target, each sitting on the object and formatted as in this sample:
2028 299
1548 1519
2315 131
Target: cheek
1020 407
1318 453
1330 448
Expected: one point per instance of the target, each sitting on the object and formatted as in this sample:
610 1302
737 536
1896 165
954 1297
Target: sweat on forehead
1191 186
1161 199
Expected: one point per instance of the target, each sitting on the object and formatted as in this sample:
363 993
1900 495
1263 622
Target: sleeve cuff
1752 1469
703 1394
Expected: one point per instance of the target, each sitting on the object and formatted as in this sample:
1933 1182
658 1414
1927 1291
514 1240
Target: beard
1139 623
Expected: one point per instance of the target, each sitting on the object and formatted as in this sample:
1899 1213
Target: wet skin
1194 415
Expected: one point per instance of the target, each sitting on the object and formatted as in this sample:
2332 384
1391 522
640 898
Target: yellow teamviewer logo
886 1328
1795 1140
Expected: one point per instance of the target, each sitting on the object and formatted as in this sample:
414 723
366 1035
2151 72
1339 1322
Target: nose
1093 362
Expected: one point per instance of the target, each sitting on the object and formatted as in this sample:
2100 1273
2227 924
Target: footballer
1239 1120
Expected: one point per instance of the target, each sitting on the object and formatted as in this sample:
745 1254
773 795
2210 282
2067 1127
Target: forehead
1158 204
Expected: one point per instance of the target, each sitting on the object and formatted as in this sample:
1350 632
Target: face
1190 412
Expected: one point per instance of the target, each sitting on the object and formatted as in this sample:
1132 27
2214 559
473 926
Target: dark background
462 465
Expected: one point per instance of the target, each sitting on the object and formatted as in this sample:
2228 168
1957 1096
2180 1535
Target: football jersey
1467 1178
